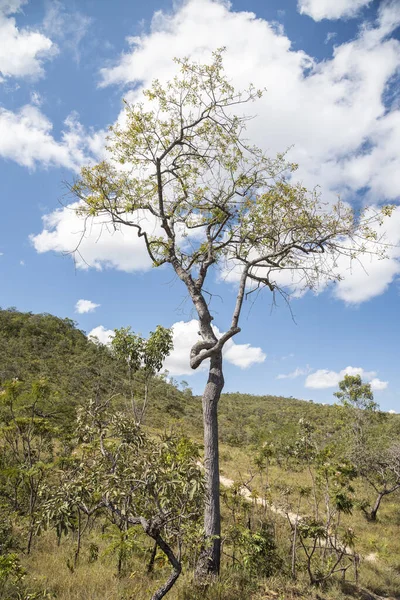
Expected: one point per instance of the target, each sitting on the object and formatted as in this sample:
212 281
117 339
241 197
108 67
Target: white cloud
340 100
26 134
26 138
243 355
331 9
333 111
22 51
101 335
99 245
392 412
85 306
298 372
377 384
185 334
323 378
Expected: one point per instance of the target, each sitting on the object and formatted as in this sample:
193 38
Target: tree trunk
209 559
150 566
374 510
173 560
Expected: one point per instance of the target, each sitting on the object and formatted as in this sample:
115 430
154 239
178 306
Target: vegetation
94 504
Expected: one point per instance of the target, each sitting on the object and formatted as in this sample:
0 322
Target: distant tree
376 458
181 166
142 356
358 398
379 465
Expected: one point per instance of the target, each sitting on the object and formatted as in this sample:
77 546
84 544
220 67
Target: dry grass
48 570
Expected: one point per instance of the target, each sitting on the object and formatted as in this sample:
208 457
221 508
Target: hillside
35 346
291 454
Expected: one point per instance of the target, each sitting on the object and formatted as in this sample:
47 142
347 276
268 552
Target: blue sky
331 72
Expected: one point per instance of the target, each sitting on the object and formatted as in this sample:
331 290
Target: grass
48 570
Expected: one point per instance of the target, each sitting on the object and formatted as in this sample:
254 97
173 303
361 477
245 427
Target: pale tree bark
209 346
209 560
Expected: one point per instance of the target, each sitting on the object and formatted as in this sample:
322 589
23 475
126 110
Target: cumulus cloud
85 306
185 334
22 51
323 378
97 244
377 384
345 137
26 134
26 137
331 9
341 100
298 372
101 335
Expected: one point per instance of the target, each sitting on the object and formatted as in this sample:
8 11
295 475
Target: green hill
43 346
36 346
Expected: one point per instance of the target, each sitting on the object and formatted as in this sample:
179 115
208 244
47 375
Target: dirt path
246 493
293 517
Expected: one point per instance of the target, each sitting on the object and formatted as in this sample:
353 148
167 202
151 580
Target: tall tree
180 166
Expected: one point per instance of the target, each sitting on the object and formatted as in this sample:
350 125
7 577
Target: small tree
358 398
142 356
182 174
378 463
26 448
326 546
376 458
134 481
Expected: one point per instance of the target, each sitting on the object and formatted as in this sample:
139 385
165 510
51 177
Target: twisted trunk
209 560
209 346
